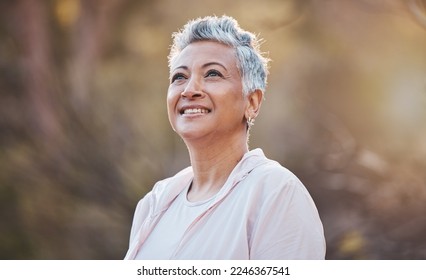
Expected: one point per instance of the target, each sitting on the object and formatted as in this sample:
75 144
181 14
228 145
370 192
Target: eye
213 73
178 76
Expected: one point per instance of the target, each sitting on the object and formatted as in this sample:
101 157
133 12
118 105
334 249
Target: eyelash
217 73
180 75
176 76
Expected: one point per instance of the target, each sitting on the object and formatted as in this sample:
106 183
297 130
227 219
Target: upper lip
193 106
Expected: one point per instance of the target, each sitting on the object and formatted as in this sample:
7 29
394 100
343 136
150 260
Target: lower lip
194 115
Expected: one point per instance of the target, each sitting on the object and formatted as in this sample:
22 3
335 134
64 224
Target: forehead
199 53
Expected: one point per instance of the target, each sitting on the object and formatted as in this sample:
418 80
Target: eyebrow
203 66
214 63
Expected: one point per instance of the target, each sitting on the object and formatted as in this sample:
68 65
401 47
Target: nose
193 89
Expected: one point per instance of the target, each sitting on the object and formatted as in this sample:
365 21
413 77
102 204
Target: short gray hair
251 62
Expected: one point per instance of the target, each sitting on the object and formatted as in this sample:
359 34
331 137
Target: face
205 96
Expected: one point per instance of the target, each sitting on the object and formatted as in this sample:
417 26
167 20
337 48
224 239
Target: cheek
172 99
170 107
171 96
236 99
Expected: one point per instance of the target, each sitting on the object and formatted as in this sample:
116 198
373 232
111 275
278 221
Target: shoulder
275 176
161 194
272 184
165 191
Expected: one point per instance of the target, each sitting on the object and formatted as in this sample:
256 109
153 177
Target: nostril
191 94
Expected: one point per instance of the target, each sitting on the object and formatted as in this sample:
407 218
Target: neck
212 164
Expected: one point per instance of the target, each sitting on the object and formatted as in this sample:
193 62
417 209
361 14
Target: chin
191 133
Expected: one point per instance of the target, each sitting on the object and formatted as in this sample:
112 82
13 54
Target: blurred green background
84 132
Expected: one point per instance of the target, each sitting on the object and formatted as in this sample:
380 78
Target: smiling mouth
193 111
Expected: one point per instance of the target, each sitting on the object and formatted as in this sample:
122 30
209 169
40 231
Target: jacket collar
164 196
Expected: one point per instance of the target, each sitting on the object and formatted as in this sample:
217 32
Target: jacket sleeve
288 225
141 212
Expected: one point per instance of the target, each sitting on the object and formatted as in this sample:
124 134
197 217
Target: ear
254 100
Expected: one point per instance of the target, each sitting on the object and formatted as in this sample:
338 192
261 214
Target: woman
231 203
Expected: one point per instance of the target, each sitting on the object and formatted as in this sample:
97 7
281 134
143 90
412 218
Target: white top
262 211
166 235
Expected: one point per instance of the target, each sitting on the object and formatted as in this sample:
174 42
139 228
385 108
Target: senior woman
231 203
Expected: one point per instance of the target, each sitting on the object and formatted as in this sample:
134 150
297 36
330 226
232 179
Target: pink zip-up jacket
263 211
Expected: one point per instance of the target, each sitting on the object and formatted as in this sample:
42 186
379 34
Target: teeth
196 111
